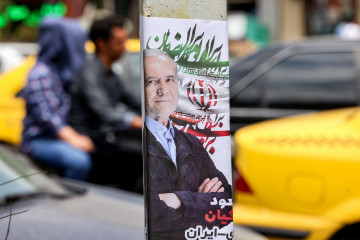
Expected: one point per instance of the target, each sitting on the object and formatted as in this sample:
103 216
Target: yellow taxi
12 106
298 177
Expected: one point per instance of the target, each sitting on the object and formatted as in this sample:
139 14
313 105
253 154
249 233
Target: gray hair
159 54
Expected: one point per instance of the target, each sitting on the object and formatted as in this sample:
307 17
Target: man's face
161 87
115 45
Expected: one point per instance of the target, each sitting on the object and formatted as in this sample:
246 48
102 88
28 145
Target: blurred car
55 208
298 177
50 207
286 79
14 77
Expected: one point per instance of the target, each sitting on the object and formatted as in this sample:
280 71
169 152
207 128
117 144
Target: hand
136 123
72 137
213 185
170 199
83 142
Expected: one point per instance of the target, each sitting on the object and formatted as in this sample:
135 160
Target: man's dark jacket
193 166
96 94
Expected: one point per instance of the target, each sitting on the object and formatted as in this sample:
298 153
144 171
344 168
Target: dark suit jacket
193 166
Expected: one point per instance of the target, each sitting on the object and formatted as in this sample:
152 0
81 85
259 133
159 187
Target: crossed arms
207 186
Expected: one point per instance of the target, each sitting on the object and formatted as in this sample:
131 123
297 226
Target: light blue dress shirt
165 136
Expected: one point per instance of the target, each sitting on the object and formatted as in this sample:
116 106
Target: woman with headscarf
46 136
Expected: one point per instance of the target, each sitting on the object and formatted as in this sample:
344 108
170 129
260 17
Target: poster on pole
187 159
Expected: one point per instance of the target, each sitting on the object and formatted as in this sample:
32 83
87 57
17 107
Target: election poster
187 159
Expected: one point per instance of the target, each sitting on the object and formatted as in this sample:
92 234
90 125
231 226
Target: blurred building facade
291 20
286 20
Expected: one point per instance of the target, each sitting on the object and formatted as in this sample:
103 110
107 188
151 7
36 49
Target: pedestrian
104 109
47 137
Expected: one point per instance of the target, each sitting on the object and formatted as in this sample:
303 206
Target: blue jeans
75 164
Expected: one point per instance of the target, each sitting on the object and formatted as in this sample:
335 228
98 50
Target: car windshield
18 176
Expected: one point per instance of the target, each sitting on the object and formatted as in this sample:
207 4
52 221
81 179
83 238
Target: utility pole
185 77
195 9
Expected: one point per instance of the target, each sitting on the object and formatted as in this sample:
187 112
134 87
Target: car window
250 96
313 81
241 67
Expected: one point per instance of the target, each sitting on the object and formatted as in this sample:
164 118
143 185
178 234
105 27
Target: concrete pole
201 58
186 9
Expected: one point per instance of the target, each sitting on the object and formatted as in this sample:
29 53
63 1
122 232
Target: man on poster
182 179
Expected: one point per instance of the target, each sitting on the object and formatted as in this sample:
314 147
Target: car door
298 80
